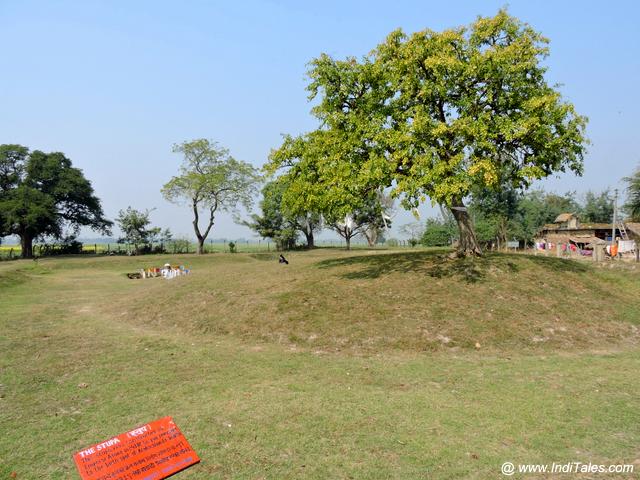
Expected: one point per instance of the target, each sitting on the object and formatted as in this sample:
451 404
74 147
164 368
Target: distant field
13 250
365 365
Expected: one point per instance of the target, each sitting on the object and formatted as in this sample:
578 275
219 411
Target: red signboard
151 452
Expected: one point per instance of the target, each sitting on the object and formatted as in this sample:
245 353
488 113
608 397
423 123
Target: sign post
152 452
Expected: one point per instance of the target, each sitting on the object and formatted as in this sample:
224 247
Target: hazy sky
113 84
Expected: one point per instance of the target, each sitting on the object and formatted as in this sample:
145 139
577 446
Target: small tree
165 236
135 226
378 217
414 230
278 222
211 180
366 219
346 228
439 232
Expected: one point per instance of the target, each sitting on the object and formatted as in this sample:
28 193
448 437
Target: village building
633 231
567 228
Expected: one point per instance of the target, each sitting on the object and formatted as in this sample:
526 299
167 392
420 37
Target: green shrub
178 245
68 246
438 233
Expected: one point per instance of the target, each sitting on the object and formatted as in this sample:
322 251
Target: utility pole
615 216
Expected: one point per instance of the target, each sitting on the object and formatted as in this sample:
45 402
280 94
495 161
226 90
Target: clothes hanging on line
626 246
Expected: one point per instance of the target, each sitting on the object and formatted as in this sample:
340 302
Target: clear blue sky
114 84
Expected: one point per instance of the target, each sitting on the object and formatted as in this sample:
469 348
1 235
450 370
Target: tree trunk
502 233
348 242
196 217
468 244
371 236
26 242
310 240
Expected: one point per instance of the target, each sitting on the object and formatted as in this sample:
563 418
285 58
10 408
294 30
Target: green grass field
347 365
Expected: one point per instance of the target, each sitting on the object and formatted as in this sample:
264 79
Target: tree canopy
439 232
516 215
632 205
436 115
368 218
597 207
281 223
212 180
43 195
137 230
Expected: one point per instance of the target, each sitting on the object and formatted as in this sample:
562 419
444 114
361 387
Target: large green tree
43 195
438 114
210 180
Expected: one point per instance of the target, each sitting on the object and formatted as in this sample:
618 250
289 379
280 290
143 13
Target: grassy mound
416 301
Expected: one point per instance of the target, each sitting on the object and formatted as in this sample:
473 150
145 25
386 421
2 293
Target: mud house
633 231
567 228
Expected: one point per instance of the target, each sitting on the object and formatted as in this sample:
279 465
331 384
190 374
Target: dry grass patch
369 302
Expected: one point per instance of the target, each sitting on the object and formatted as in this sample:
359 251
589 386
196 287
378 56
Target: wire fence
10 251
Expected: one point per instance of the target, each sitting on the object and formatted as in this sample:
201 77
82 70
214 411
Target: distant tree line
284 218
508 215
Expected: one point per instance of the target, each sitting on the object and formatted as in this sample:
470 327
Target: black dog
283 260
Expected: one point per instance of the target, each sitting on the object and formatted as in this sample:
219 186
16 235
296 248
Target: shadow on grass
265 257
438 265
560 265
